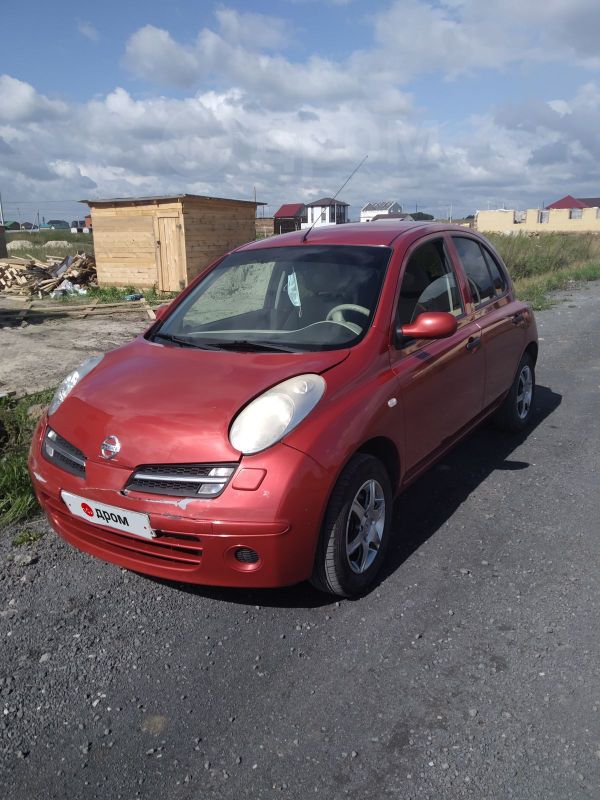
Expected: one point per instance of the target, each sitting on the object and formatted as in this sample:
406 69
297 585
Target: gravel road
41 353
472 670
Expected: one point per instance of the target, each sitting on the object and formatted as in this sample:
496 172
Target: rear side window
428 284
498 277
476 269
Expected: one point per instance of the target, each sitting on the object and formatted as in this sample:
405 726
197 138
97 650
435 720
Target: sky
459 104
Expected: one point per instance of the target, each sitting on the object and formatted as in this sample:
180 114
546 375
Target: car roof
381 233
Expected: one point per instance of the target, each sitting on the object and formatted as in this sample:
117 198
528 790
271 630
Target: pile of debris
56 277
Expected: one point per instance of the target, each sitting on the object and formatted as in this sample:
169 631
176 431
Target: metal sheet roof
289 210
161 198
327 201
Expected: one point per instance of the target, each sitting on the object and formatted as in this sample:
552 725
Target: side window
428 284
498 276
477 272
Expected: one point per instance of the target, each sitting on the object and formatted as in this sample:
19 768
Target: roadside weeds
18 418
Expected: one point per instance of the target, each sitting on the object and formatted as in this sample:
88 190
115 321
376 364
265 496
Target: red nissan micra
257 433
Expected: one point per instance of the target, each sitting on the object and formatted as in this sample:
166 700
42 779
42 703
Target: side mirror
162 310
429 325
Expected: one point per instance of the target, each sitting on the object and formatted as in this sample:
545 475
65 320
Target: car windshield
311 297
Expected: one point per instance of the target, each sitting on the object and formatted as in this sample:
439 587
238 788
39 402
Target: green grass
526 256
115 294
547 262
536 289
77 243
17 500
26 537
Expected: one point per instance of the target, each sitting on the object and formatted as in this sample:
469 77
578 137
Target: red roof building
568 201
289 217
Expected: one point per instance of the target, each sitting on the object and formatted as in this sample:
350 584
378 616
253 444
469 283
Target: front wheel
516 410
356 529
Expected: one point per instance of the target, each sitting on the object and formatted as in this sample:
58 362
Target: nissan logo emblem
110 447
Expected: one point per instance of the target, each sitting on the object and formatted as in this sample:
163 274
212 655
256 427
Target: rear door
500 319
440 382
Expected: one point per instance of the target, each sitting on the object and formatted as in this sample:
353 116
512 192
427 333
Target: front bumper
197 539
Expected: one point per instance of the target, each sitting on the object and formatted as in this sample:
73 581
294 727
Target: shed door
169 254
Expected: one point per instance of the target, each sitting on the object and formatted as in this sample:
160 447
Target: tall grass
17 500
526 256
546 262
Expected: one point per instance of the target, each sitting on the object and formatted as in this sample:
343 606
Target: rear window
476 269
498 277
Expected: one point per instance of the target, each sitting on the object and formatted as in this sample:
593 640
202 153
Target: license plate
119 519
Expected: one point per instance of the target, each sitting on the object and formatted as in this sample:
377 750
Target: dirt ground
39 354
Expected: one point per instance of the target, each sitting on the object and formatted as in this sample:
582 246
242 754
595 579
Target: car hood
170 404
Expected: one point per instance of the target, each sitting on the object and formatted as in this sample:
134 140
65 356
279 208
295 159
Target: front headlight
72 380
268 418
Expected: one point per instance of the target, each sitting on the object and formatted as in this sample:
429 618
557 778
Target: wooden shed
165 241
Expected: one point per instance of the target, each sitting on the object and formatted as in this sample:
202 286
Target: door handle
473 343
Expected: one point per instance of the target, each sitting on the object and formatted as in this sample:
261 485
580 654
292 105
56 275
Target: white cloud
246 115
21 103
152 53
254 30
87 30
225 143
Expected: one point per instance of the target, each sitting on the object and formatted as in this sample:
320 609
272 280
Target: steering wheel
336 315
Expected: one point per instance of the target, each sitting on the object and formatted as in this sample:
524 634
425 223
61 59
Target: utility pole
1 212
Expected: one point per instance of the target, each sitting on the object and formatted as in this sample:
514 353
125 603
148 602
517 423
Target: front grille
63 454
181 480
180 551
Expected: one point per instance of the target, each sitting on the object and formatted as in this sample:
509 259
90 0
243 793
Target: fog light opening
246 555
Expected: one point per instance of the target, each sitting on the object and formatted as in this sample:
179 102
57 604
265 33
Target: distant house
289 217
568 201
401 217
386 207
326 211
575 205
11 225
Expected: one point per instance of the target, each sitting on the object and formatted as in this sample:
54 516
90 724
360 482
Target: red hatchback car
257 433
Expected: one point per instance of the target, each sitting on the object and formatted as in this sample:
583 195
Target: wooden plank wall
213 228
125 243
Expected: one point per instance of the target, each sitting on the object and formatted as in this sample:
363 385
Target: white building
326 211
379 209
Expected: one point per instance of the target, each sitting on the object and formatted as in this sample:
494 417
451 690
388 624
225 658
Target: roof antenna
352 174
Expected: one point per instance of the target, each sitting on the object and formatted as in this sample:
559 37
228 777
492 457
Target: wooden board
169 252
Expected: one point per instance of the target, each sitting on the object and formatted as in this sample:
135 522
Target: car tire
515 413
356 529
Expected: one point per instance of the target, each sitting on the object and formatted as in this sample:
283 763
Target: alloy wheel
365 526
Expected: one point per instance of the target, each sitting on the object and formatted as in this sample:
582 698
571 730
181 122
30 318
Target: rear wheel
515 412
355 532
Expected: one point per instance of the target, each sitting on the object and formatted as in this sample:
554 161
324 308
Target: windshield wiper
184 342
245 345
